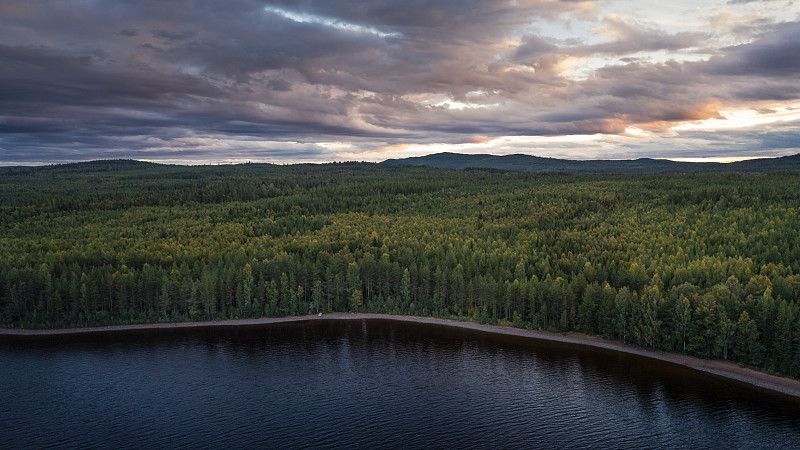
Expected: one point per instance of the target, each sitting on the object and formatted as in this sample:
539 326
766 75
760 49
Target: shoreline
724 369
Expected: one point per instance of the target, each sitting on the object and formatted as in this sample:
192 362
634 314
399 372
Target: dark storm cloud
141 76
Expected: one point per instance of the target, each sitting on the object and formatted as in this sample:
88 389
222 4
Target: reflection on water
369 384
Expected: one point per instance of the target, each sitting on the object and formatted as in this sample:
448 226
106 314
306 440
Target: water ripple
367 385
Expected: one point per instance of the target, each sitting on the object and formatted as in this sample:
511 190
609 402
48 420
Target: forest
702 264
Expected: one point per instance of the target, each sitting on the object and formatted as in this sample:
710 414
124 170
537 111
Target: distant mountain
528 163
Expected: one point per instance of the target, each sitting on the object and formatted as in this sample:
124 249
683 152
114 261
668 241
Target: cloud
172 36
773 55
742 2
741 26
628 37
207 79
128 32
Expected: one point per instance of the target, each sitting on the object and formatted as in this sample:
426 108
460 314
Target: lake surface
367 384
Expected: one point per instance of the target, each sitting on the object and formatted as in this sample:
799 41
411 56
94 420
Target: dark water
366 384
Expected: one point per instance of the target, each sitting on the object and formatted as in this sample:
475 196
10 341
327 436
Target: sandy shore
719 368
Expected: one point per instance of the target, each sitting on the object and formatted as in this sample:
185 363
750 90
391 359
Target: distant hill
528 163
98 166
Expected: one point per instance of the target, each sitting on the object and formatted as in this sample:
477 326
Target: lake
367 384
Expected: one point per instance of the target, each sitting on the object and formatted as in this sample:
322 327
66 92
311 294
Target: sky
206 82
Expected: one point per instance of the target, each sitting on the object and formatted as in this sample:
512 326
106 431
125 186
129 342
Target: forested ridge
530 163
706 264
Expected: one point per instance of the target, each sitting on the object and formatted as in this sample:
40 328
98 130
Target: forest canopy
705 264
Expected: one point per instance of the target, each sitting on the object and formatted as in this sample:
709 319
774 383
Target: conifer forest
702 264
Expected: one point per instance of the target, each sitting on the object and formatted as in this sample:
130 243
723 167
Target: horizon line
243 161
